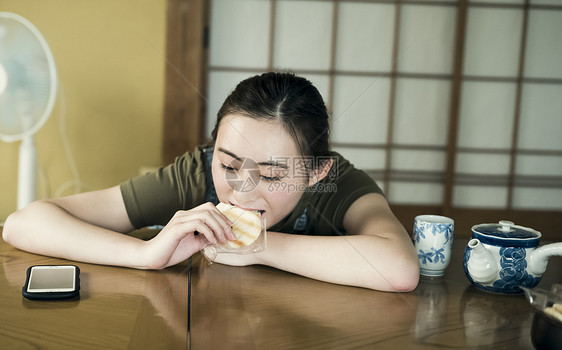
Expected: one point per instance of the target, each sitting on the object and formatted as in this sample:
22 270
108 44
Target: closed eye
263 177
228 168
270 178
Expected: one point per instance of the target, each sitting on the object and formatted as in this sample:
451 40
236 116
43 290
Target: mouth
249 209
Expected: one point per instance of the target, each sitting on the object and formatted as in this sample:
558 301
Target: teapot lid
507 233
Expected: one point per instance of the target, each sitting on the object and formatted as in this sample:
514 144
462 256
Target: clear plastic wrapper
259 244
541 299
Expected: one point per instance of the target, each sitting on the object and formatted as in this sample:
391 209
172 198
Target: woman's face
257 166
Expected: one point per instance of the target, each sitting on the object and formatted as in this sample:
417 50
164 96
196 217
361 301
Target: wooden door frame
184 97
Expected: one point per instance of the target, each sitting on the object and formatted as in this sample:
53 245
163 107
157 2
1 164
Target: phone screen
52 279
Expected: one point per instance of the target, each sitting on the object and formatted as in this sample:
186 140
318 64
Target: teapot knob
506 225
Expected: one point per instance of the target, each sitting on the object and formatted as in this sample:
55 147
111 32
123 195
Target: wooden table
256 307
262 308
119 308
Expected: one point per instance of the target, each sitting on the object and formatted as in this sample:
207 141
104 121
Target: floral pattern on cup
435 255
433 236
435 229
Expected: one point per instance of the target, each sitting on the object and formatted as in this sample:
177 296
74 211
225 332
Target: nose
248 195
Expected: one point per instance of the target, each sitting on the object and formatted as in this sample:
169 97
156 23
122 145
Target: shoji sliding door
453 107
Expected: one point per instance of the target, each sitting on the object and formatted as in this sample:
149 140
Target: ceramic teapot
501 257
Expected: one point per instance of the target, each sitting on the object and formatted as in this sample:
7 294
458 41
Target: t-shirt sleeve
153 199
332 202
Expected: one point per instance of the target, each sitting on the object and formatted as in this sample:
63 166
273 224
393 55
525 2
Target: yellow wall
108 56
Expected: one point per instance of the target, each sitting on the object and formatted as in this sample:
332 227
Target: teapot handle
539 257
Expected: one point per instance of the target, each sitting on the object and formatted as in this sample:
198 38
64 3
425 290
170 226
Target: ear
321 172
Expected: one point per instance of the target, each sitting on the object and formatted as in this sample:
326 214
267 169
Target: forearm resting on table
357 260
48 229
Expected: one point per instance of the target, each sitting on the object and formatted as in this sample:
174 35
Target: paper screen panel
486 115
482 164
365 33
539 165
415 193
541 122
493 38
360 109
501 2
537 198
480 197
421 112
545 2
418 160
240 33
544 44
363 158
302 35
426 39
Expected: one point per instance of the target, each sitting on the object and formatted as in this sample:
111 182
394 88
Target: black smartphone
52 282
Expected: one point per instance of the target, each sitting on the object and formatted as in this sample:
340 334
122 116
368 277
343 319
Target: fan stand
34 72
27 183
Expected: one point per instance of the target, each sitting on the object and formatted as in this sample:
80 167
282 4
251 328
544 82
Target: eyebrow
268 163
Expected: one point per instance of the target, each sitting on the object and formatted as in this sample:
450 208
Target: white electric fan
28 86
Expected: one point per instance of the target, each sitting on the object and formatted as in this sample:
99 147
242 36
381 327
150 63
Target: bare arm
89 227
380 256
81 227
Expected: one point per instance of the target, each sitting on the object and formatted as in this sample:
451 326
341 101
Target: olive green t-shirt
153 199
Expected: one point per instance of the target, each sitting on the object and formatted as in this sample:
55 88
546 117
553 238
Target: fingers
206 220
224 223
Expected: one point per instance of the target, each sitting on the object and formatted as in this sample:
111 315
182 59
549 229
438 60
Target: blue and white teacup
433 238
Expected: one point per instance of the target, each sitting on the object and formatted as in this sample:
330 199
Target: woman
326 220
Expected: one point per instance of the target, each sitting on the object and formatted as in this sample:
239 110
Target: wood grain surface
119 308
257 307
262 308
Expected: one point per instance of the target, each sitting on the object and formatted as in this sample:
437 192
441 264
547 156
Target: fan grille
30 78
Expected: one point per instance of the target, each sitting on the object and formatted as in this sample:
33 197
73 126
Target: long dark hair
289 100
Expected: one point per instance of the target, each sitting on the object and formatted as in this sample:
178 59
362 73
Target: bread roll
246 225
